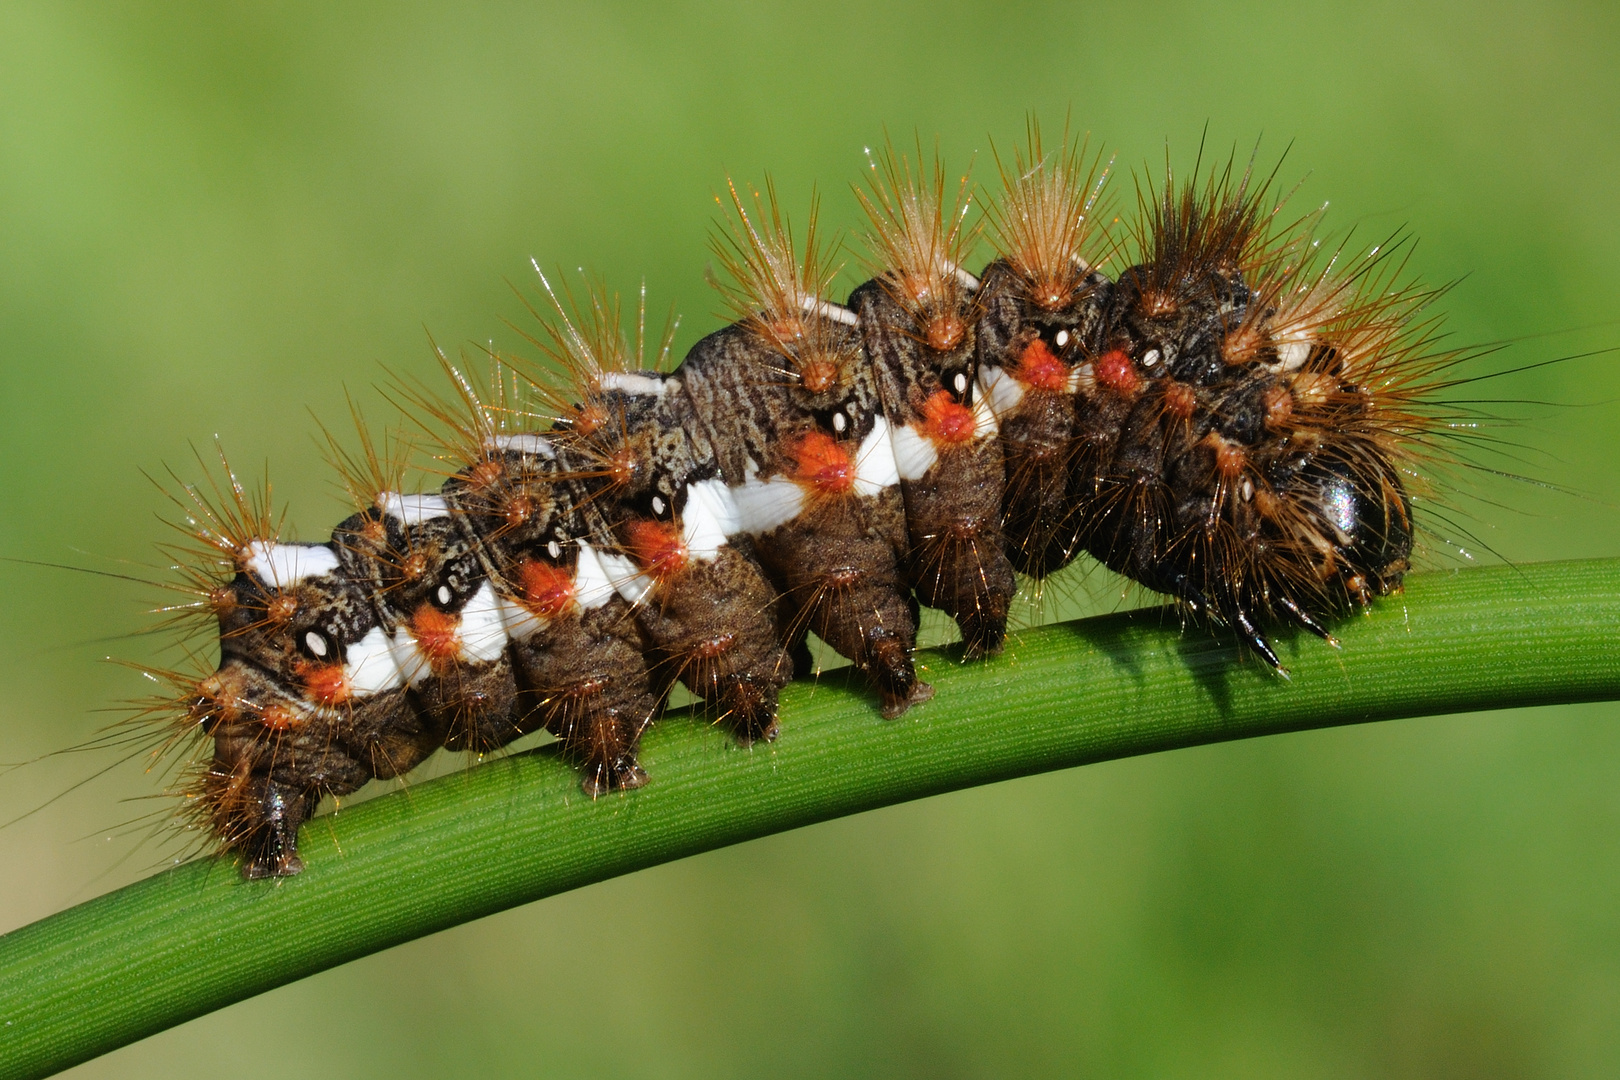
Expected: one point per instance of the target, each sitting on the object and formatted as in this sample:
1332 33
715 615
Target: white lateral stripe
914 452
985 423
521 623
708 518
626 578
999 390
412 662
1292 352
1081 377
592 587
768 504
875 467
814 305
538 445
633 382
284 565
483 626
370 666
412 509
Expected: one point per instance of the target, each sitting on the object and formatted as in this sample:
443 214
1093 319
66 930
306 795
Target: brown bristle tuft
775 294
1048 224
219 519
1188 232
916 244
221 515
461 430
581 340
377 466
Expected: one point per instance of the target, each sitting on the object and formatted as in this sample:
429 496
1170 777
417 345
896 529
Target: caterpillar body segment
812 476
1040 312
794 408
286 716
1027 359
950 465
704 604
917 319
576 659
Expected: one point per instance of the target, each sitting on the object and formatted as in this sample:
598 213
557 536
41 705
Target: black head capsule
1369 516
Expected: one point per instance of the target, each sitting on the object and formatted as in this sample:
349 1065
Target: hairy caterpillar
1232 420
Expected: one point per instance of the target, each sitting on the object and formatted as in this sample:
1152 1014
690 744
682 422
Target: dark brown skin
572 677
956 559
844 568
713 626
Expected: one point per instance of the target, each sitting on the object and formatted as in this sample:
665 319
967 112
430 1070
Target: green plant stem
195 938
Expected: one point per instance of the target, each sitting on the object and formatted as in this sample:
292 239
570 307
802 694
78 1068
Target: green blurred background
215 217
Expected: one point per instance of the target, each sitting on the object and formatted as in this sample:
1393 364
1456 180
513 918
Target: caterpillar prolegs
1232 419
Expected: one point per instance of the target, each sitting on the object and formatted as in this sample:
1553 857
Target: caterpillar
1234 419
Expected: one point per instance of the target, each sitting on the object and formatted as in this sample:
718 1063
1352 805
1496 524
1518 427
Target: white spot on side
710 516
445 595
914 452
960 382
316 643
634 382
840 422
537 445
658 505
284 565
370 665
1062 339
1000 391
827 310
412 509
1153 356
1247 490
409 659
875 467
554 549
763 505
483 626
